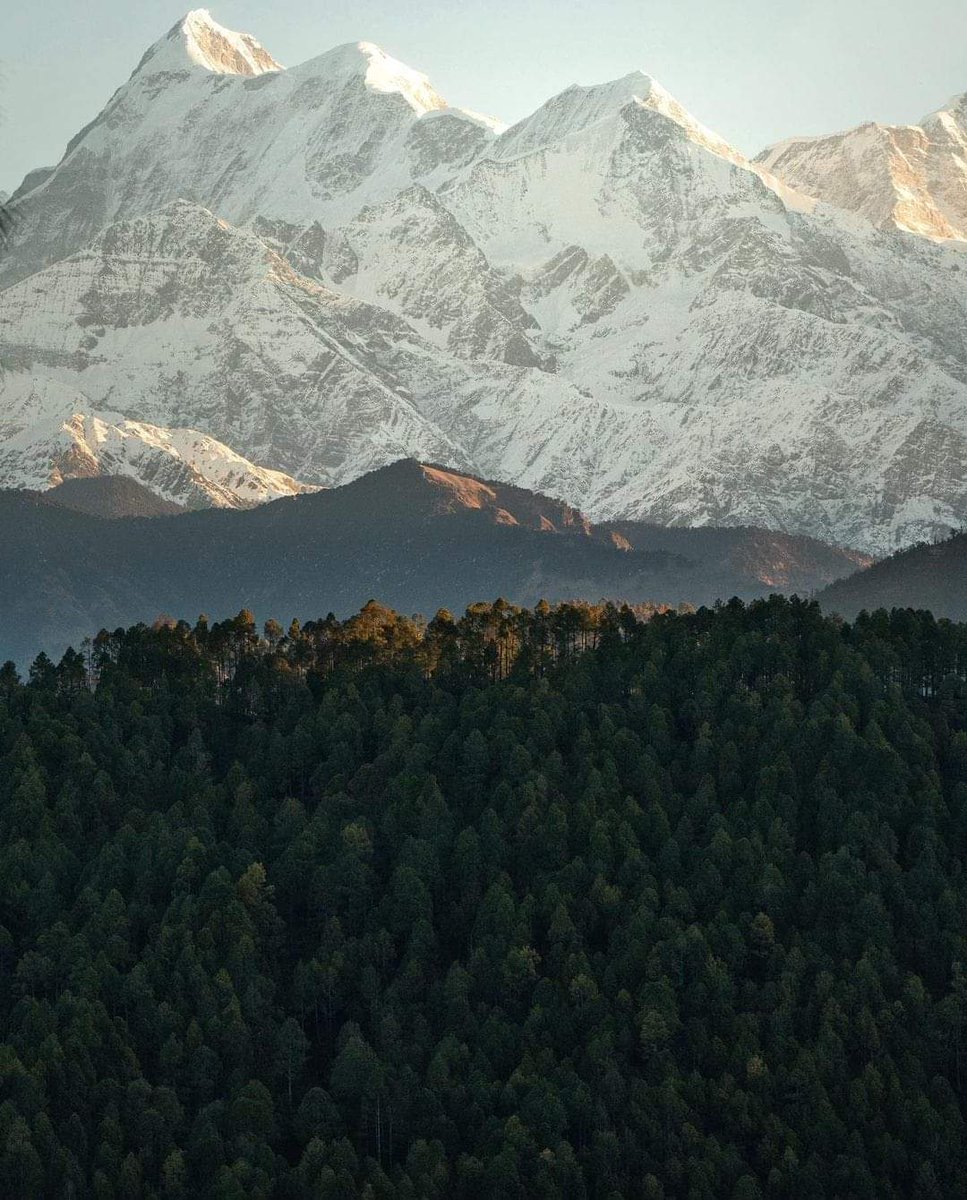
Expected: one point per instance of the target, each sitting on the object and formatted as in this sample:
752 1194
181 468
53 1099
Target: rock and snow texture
311 144
46 436
910 177
326 268
205 43
209 328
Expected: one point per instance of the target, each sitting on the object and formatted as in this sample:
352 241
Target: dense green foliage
533 904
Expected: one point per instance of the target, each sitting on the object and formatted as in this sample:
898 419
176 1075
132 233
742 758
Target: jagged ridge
606 302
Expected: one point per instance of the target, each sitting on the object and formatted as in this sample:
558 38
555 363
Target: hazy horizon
752 73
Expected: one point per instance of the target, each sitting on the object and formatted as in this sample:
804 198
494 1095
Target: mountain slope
49 433
195 322
419 537
327 269
776 561
910 177
196 122
926 576
111 496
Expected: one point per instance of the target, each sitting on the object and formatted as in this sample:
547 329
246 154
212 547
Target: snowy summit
328 267
198 40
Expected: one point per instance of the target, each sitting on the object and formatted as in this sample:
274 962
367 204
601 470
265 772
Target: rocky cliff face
911 177
327 268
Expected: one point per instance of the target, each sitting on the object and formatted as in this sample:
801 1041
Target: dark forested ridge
931 576
552 903
779 562
415 535
111 496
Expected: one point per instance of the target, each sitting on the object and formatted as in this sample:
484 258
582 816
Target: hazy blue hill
111 496
932 577
417 537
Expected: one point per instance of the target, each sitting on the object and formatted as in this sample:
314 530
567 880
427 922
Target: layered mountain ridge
327 267
49 434
418 536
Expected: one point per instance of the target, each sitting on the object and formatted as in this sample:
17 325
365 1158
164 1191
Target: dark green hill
111 496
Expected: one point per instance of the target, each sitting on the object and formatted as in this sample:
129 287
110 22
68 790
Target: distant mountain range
242 280
415 536
47 435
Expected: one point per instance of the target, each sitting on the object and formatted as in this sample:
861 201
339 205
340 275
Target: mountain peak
430 490
907 177
580 107
197 40
955 108
379 71
577 107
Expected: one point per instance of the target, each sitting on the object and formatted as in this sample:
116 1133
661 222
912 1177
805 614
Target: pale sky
753 70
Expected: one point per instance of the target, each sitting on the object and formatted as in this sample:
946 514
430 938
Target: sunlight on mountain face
325 268
911 177
210 45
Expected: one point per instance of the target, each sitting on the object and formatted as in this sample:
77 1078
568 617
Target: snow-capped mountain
47 437
206 326
200 120
328 268
911 177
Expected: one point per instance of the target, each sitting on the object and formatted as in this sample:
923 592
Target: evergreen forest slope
533 903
